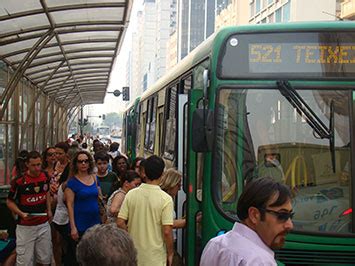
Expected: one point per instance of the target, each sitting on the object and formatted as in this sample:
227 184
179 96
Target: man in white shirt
265 211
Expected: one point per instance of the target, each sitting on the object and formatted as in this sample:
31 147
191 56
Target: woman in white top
61 224
171 184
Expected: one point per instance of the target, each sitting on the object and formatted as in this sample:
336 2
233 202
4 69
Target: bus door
181 165
192 186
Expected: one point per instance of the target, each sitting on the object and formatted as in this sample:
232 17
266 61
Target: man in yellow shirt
147 215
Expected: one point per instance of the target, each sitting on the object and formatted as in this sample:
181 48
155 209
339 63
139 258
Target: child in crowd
105 177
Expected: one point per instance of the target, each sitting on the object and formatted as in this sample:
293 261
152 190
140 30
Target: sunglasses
281 216
50 153
83 161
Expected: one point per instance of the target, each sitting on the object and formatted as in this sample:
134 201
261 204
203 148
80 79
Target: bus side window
138 132
153 121
185 86
150 124
170 124
147 115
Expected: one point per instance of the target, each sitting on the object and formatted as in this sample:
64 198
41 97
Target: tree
113 120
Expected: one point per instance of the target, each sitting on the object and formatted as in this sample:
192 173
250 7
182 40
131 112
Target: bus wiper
331 138
312 119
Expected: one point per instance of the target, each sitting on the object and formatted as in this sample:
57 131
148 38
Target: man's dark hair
62 145
84 145
103 156
153 167
105 244
114 146
33 155
258 192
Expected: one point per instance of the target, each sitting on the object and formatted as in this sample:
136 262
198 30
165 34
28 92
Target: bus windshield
260 133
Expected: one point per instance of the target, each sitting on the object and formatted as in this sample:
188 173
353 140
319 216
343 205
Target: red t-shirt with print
30 194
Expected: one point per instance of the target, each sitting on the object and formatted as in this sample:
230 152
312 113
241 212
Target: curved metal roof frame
62 46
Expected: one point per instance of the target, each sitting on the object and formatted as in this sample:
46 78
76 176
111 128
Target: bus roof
132 104
292 26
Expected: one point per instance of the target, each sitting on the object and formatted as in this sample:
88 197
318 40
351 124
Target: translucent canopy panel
65 47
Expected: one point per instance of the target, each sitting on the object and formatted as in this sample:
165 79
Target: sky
117 76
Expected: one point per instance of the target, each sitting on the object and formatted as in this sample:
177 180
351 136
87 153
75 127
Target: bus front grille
315 257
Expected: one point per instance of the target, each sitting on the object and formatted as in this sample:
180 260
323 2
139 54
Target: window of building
257 6
145 81
278 15
210 23
252 7
271 18
264 4
286 11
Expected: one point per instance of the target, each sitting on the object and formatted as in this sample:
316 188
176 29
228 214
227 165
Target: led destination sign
288 54
299 57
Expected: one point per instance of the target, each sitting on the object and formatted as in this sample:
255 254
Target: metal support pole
74 117
26 62
53 115
81 120
35 99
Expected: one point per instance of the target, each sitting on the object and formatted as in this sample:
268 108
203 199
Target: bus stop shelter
55 55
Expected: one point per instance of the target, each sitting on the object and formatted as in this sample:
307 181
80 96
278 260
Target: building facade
162 32
348 10
274 11
234 13
135 82
149 46
196 22
172 51
239 12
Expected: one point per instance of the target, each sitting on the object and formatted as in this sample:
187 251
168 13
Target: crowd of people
70 188
75 206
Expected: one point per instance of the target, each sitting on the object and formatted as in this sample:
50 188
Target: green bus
128 134
260 100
